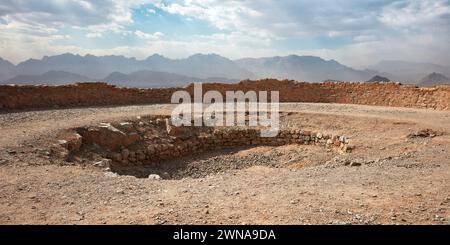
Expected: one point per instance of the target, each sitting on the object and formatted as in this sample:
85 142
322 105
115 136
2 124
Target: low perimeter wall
15 97
147 141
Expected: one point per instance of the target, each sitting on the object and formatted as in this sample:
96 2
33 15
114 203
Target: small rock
72 143
355 164
117 157
154 177
424 133
11 152
126 125
110 174
3 161
104 163
125 153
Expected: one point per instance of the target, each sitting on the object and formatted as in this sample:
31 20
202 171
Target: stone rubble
145 141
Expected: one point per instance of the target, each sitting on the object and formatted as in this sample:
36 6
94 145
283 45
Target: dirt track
400 180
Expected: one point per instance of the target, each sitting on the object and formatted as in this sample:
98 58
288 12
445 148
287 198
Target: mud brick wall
13 97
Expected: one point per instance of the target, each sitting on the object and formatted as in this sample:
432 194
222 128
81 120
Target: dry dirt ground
387 179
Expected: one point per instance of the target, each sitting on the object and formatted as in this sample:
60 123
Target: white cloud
149 36
280 18
415 47
402 29
398 29
416 12
73 13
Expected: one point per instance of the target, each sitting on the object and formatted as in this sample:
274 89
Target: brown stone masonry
13 97
148 141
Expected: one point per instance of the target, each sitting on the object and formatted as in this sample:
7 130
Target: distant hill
211 65
51 77
378 79
97 67
409 72
7 69
157 70
146 79
434 79
141 79
153 79
304 68
202 66
90 66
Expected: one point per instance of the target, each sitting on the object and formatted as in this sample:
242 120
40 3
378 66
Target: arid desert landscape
331 164
225 120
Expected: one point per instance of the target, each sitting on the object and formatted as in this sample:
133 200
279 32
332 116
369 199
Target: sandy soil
388 178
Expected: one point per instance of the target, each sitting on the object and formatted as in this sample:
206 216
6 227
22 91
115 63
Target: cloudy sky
354 32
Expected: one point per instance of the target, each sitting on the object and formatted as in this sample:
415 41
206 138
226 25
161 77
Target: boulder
154 177
108 137
72 143
104 163
181 132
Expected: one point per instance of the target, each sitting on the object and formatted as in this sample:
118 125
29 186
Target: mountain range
409 71
160 71
305 68
434 79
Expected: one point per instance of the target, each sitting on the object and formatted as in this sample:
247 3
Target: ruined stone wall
101 94
148 141
220 139
382 94
81 94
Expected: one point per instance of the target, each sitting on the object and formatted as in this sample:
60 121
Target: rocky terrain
397 172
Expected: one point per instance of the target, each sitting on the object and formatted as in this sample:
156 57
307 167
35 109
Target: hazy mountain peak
304 57
433 79
408 71
305 68
5 62
203 66
64 55
378 78
7 69
50 77
207 56
156 55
